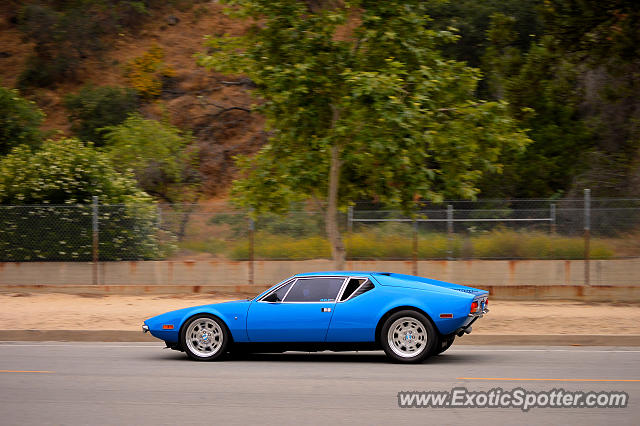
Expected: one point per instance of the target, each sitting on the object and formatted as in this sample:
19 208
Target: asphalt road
139 383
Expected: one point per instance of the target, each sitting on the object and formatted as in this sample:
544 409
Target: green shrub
44 71
94 108
46 213
20 121
148 72
157 154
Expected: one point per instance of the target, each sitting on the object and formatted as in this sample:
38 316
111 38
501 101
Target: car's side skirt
298 346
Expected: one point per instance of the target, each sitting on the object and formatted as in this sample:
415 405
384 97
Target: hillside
194 99
568 72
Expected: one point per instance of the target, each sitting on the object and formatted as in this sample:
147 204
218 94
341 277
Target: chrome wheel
204 337
407 337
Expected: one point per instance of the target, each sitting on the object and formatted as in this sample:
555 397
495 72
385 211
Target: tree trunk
331 221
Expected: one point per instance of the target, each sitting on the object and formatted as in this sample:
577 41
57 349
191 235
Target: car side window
279 294
351 287
315 290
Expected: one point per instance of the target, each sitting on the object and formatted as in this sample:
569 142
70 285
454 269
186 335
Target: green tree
158 155
576 91
93 108
376 113
542 89
602 41
595 30
472 19
20 121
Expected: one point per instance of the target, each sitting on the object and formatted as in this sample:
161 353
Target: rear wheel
204 338
407 336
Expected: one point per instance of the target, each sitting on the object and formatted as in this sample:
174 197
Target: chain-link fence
483 229
82 233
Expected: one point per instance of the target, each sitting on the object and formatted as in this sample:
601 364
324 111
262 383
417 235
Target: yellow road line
545 380
26 371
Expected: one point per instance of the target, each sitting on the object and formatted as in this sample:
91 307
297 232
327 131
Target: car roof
341 273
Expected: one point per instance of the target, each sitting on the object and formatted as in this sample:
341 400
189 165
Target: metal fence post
449 232
350 219
94 225
251 248
552 217
415 247
587 235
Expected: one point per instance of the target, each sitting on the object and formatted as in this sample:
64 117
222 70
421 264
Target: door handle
325 309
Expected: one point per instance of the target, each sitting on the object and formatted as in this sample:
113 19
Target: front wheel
407 336
204 338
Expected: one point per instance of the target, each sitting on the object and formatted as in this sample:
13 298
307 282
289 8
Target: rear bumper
479 314
471 318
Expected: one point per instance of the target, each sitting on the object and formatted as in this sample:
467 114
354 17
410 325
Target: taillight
474 306
486 302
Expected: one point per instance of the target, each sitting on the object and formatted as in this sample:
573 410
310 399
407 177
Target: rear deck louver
363 289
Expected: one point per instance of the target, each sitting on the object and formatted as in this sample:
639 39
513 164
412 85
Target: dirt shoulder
40 311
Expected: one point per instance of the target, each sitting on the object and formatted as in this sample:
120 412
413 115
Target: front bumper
145 328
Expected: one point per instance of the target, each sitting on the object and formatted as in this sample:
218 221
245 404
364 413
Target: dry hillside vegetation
216 108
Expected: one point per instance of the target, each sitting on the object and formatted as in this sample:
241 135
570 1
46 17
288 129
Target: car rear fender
432 305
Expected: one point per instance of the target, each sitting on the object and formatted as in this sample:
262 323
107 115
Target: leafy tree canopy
20 121
157 153
471 21
599 30
375 112
403 118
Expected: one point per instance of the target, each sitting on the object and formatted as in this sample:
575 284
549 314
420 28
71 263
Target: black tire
443 344
195 335
415 323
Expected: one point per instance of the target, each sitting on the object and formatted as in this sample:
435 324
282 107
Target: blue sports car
409 317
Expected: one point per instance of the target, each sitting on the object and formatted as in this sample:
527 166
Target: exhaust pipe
465 331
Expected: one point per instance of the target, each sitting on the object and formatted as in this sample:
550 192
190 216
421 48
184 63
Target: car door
298 311
355 314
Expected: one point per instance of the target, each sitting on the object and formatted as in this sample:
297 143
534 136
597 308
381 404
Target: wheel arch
392 311
191 315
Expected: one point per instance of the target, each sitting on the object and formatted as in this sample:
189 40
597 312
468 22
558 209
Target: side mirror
272 298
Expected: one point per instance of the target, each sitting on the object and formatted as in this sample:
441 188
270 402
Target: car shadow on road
328 357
